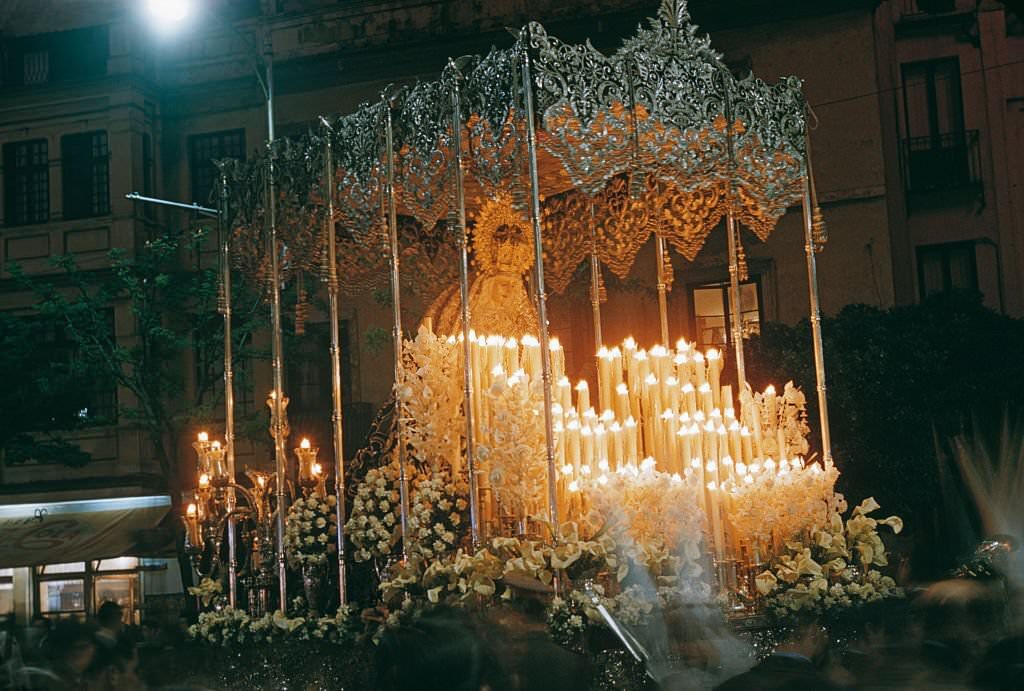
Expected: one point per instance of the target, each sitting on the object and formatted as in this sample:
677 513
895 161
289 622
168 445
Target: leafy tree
172 301
37 401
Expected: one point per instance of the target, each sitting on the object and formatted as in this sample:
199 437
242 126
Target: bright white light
169 11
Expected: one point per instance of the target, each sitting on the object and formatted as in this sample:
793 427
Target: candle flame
305 444
317 469
204 480
191 511
203 436
769 390
215 445
622 389
574 486
713 354
629 343
582 385
567 469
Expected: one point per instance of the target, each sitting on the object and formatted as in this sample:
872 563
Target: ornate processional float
489 473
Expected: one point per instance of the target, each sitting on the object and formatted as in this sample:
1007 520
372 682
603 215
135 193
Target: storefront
65 558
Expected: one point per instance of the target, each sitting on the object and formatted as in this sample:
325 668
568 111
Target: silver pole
659 248
337 420
229 388
396 305
595 283
735 308
819 350
276 344
542 312
467 385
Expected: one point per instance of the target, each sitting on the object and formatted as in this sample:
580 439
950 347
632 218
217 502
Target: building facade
918 146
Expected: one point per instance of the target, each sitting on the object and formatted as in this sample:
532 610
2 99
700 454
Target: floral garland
310 528
834 569
230 626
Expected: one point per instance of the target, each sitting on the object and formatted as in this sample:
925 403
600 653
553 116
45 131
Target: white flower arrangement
230 626
438 514
431 396
834 569
373 524
513 447
310 530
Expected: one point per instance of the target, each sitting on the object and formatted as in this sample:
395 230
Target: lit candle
192 525
582 396
622 401
707 401
630 432
565 393
203 437
572 431
618 446
770 406
684 434
726 400
714 358
690 394
682 363
557 359
616 366
672 392
698 368
669 461
748 449
735 440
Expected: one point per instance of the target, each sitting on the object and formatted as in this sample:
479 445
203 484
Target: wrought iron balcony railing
942 162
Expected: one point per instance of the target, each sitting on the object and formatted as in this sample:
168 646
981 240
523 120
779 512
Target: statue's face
510 241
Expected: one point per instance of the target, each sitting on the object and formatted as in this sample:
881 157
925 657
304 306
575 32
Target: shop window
6 591
711 315
79 588
26 182
203 150
62 597
85 163
946 268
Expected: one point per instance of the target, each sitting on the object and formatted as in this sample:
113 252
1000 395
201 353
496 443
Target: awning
65 531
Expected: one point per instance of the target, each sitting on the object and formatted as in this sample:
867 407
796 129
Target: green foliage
172 304
895 379
377 339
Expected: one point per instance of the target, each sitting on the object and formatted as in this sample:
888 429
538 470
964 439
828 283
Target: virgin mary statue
498 299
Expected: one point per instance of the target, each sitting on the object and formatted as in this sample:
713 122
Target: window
94 396
78 589
945 268
37 67
931 98
203 150
6 591
938 152
86 174
26 182
711 315
55 57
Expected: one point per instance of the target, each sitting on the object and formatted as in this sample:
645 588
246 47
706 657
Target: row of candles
657 410
212 476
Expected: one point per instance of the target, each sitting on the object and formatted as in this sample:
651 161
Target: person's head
115 669
71 644
807 637
151 630
885 622
441 650
109 616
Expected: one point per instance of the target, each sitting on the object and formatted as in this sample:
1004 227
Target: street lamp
170 13
167 14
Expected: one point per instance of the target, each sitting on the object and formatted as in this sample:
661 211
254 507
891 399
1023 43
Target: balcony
935 166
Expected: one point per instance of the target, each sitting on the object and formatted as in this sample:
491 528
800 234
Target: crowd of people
951 635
